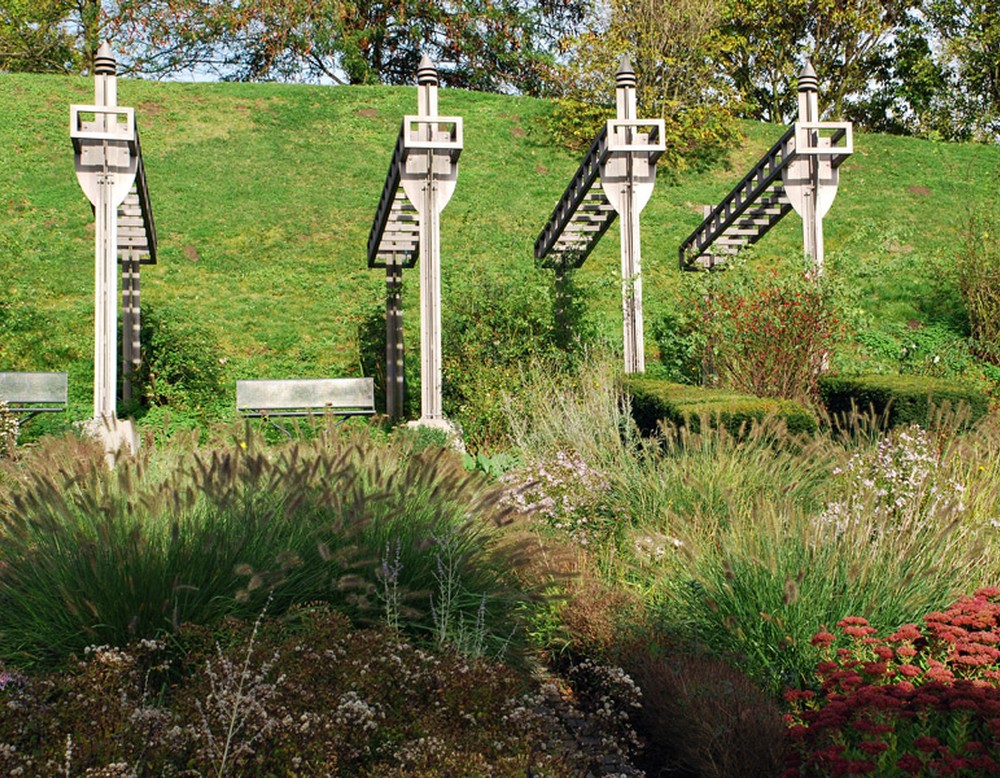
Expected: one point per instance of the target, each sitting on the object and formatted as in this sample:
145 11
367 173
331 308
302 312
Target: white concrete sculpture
109 169
623 159
420 182
800 172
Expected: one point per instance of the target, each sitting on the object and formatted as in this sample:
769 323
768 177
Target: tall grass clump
575 437
746 545
92 555
895 538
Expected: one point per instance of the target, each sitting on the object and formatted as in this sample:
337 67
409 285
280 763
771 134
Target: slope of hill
264 195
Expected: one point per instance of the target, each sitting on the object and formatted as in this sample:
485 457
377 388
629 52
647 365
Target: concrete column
812 219
106 253
106 161
430 258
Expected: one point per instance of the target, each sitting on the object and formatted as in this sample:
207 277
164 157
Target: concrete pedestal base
118 436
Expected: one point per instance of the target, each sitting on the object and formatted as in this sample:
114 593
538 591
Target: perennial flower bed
923 701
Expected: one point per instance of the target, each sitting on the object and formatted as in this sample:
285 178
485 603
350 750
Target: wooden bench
305 397
31 393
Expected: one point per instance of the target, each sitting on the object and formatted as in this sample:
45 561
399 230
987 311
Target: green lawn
264 195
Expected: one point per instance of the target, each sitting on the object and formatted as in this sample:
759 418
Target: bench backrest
298 397
34 391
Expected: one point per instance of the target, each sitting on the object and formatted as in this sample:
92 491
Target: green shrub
680 341
181 369
978 269
494 326
574 122
683 405
697 137
898 399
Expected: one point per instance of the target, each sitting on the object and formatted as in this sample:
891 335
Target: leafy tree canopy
490 45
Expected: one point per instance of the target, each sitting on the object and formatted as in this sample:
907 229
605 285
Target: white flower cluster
615 697
653 546
564 491
354 712
899 485
421 751
10 426
108 656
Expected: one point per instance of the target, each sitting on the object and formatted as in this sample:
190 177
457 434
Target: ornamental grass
383 532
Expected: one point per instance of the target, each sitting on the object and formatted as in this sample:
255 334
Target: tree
908 87
969 36
674 48
49 36
492 45
940 76
764 45
849 40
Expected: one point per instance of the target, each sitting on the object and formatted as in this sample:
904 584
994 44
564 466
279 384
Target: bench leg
279 427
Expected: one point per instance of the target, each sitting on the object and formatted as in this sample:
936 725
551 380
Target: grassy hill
264 195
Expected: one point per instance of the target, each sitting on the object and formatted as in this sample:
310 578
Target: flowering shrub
898 486
308 695
563 491
772 340
923 701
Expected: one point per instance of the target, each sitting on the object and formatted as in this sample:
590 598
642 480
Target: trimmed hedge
898 399
685 405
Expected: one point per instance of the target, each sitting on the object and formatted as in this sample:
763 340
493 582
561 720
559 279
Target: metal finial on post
427 72
625 75
104 61
807 79
808 94
427 100
625 99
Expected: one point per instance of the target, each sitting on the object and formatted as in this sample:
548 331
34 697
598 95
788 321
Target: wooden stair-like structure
395 235
136 229
582 215
759 201
745 215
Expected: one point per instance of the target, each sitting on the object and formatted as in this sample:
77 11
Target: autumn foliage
771 340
